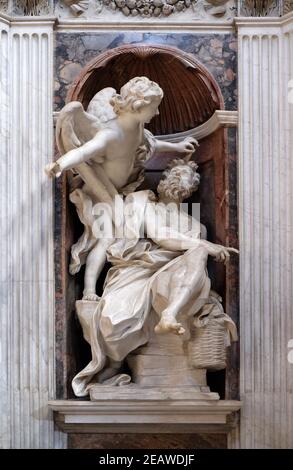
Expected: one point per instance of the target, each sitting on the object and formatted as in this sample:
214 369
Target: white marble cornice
27 20
196 26
6 19
220 118
263 22
100 25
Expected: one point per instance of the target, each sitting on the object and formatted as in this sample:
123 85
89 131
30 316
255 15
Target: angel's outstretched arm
95 148
186 146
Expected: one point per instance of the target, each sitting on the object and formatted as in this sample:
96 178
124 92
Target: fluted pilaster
26 270
266 232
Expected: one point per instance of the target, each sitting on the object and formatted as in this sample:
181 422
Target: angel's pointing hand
53 170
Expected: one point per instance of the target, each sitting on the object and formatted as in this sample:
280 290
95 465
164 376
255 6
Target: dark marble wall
147 441
232 291
216 52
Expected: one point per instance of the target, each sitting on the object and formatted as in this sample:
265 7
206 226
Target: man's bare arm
164 236
171 239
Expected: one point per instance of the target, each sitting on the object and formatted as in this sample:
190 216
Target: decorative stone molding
32 7
288 6
145 415
4 6
147 8
77 7
28 8
138 10
260 8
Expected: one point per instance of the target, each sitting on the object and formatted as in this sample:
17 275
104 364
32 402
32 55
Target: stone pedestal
149 394
161 364
164 362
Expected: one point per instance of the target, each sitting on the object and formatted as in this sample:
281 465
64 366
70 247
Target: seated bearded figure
161 274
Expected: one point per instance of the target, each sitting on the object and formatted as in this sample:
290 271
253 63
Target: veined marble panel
217 52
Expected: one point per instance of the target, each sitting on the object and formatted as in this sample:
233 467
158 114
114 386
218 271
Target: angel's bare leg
94 264
186 281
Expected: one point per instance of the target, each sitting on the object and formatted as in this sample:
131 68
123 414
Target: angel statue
106 148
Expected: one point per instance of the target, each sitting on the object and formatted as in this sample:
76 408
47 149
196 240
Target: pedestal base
136 393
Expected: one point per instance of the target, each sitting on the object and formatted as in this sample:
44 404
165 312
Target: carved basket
208 345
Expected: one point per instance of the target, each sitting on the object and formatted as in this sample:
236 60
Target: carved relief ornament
153 8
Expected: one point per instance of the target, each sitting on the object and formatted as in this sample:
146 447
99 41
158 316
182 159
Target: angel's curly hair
178 184
138 92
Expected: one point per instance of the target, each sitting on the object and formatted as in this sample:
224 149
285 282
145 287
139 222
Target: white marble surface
266 238
27 272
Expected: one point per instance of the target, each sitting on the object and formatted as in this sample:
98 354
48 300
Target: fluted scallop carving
190 93
260 7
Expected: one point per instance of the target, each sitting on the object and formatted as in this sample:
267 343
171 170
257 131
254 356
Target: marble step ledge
146 412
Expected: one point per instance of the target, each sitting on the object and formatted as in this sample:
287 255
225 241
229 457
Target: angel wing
100 106
75 126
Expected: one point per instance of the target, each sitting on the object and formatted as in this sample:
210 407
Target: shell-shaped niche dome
190 93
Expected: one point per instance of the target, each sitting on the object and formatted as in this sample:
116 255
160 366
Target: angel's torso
120 154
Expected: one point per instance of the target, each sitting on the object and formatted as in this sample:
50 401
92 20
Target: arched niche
191 96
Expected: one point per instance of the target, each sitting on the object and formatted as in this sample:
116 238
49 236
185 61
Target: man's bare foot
91 297
169 325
